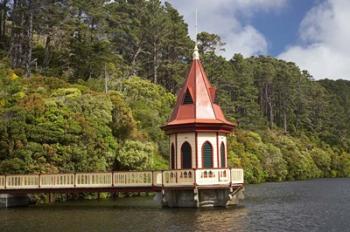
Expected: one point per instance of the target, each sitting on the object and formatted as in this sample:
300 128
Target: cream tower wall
180 138
213 137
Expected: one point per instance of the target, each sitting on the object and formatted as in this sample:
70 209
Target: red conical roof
195 108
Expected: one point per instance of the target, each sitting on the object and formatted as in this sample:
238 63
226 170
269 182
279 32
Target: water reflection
317 205
232 219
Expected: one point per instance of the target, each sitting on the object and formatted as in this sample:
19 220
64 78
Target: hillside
50 126
86 85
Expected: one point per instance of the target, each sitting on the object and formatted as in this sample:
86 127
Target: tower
197 126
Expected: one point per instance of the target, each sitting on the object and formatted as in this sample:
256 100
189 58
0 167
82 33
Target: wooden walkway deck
147 181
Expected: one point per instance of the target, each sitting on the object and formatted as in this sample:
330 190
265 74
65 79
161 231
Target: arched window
186 156
207 155
222 153
172 156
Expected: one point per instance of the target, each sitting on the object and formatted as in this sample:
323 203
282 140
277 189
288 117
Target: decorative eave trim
198 127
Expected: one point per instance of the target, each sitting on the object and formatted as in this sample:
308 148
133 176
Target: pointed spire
195 108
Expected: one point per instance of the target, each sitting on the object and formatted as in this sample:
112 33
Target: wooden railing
22 181
57 181
133 179
178 177
2 182
170 178
237 176
88 180
213 176
157 178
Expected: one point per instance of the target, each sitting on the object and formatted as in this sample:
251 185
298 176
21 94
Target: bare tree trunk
268 106
106 79
271 118
155 61
266 100
285 122
15 47
28 58
21 35
134 58
3 17
47 51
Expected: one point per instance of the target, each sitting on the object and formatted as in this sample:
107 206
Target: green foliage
151 105
289 125
273 156
56 127
123 124
135 155
209 42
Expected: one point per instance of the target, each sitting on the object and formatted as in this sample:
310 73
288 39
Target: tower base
198 198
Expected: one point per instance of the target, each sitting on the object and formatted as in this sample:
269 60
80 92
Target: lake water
314 205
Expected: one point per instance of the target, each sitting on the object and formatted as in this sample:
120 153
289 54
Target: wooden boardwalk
132 181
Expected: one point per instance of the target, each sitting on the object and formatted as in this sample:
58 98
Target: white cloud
324 45
220 17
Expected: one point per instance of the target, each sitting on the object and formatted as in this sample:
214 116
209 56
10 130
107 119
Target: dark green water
315 205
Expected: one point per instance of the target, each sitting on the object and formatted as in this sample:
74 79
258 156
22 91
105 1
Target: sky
314 34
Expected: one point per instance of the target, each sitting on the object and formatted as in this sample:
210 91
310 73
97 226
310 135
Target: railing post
194 177
5 185
112 179
162 179
39 179
176 179
152 176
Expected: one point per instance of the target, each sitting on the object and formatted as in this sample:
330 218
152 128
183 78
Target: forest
86 84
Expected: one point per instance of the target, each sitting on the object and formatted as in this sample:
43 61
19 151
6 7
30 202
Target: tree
156 29
4 8
208 42
177 51
22 33
264 75
245 94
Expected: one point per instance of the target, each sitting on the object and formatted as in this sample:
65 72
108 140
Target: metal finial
195 55
196 26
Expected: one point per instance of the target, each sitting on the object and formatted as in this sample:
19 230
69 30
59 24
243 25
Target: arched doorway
172 157
186 156
222 153
207 155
